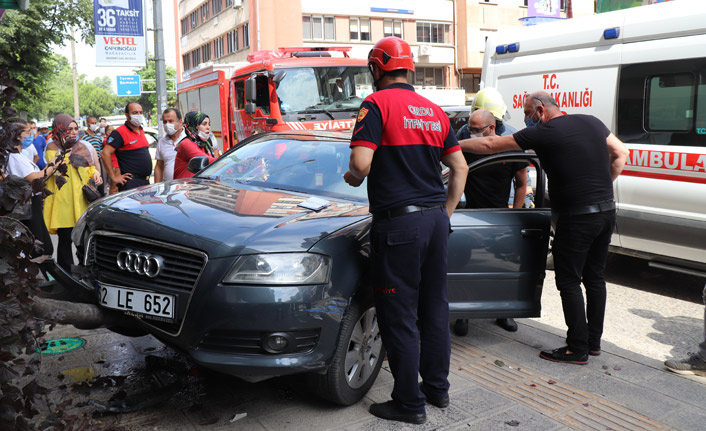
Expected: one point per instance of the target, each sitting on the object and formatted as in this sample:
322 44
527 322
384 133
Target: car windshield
317 89
311 165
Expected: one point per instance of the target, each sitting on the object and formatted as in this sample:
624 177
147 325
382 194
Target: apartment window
562 4
232 41
216 6
195 57
319 28
433 32
229 3
194 17
429 76
392 27
206 52
204 12
471 82
246 36
360 29
184 26
187 61
218 47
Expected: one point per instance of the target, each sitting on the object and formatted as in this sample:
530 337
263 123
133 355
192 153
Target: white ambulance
642 71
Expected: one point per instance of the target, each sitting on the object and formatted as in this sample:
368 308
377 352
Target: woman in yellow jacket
63 208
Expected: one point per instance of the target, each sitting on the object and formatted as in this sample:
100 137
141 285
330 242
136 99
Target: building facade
447 36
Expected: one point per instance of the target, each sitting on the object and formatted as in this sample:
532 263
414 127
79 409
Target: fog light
277 342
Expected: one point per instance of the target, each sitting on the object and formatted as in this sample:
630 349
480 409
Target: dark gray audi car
258 265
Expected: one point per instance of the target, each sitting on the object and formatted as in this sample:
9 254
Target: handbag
91 191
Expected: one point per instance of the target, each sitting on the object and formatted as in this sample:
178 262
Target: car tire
357 360
461 327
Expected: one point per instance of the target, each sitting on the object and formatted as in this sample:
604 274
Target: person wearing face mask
28 149
65 205
92 135
130 146
582 158
102 127
196 143
166 146
20 166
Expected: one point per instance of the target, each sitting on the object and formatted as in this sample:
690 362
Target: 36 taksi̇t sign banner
120 33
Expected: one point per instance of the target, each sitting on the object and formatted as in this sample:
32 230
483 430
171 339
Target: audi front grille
119 258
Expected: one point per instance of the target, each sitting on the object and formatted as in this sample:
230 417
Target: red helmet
392 53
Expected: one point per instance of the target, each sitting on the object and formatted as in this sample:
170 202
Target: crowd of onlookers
112 159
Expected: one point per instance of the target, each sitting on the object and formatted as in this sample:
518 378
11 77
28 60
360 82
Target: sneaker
691 365
560 355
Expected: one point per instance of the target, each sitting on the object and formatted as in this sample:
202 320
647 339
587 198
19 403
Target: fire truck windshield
313 90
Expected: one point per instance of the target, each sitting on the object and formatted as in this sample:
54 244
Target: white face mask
477 135
101 130
136 120
93 127
170 128
204 136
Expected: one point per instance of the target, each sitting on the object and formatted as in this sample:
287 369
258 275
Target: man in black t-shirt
582 158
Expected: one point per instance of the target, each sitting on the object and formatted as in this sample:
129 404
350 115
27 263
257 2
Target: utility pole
159 66
73 66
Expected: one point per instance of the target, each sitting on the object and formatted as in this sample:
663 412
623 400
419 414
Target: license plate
137 301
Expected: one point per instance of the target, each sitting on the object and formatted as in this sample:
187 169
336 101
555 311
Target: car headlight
280 268
79 228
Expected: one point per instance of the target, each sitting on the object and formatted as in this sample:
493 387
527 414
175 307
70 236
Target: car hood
220 219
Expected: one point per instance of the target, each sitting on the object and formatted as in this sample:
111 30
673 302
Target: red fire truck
304 88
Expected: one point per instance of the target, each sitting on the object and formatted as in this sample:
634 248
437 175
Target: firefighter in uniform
398 141
131 148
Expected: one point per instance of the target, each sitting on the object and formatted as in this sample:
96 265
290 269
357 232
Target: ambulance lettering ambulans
642 71
289 89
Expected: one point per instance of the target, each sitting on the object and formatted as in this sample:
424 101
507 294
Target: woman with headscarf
19 165
63 208
196 143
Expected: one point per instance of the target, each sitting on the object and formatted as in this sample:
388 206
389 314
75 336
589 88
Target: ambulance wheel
357 360
461 327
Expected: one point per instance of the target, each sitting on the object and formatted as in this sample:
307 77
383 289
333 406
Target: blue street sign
128 85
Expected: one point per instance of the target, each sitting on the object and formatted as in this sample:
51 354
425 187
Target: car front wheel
359 355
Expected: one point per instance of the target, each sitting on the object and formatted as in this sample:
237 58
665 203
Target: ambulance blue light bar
513 47
501 49
611 33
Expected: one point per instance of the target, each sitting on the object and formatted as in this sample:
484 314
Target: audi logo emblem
139 262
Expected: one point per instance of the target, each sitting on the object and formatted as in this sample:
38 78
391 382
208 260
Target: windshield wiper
317 108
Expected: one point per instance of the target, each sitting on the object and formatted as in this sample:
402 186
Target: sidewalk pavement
498 382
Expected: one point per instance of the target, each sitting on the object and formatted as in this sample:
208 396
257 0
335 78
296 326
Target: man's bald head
482 121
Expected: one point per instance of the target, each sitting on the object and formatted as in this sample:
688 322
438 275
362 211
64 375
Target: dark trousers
409 279
64 253
39 228
580 250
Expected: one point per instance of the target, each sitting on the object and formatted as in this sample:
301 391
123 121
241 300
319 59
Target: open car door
497 256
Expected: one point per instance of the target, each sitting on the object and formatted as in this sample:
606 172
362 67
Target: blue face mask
26 142
45 135
529 122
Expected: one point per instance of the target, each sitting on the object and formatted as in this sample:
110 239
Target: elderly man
582 158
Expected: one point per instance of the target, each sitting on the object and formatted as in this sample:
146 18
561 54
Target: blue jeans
580 250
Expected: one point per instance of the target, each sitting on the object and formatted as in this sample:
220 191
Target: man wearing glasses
582 158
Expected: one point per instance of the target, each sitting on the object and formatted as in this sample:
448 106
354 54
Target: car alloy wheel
357 360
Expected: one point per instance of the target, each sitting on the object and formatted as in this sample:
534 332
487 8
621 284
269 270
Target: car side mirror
250 90
249 108
197 164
